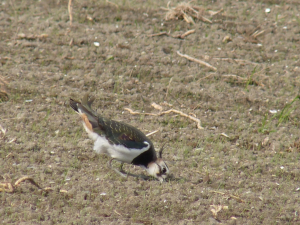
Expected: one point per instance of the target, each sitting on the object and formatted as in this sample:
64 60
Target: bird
121 141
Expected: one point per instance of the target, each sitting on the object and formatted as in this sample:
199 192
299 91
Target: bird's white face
158 169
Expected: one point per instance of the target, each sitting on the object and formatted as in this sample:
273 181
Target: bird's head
158 168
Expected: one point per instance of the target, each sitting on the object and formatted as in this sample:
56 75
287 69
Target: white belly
118 152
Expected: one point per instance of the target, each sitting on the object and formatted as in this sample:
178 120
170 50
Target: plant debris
197 61
198 122
10 188
217 208
188 12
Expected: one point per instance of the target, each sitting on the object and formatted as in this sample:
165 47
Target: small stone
57 159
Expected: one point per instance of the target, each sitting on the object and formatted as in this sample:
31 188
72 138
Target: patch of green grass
265 125
75 163
117 87
283 116
250 80
186 152
286 111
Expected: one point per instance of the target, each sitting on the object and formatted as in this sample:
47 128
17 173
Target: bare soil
242 168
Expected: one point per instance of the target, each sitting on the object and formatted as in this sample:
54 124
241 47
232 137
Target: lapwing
120 141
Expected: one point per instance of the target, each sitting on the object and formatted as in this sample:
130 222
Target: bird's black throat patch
145 158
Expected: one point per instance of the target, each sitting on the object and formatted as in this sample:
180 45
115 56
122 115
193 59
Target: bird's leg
123 173
121 167
117 171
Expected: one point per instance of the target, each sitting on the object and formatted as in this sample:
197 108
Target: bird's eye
164 170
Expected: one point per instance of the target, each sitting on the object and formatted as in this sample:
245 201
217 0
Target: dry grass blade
197 61
151 133
32 36
118 213
187 33
3 132
206 77
70 12
168 87
252 35
217 208
6 187
158 34
198 122
114 4
188 18
182 36
22 179
257 33
213 13
204 19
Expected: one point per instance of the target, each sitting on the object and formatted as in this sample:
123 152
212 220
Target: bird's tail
86 112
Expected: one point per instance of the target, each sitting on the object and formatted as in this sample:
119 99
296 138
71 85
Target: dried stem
70 12
10 188
114 4
206 77
22 179
151 133
198 122
158 34
182 36
197 61
168 87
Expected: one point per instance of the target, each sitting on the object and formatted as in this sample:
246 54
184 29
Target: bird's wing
124 134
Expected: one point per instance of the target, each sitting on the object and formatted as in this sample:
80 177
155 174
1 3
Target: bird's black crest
74 105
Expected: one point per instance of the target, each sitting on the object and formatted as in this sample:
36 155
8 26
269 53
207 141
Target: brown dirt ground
246 159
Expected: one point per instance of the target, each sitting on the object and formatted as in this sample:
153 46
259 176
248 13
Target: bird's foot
122 173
